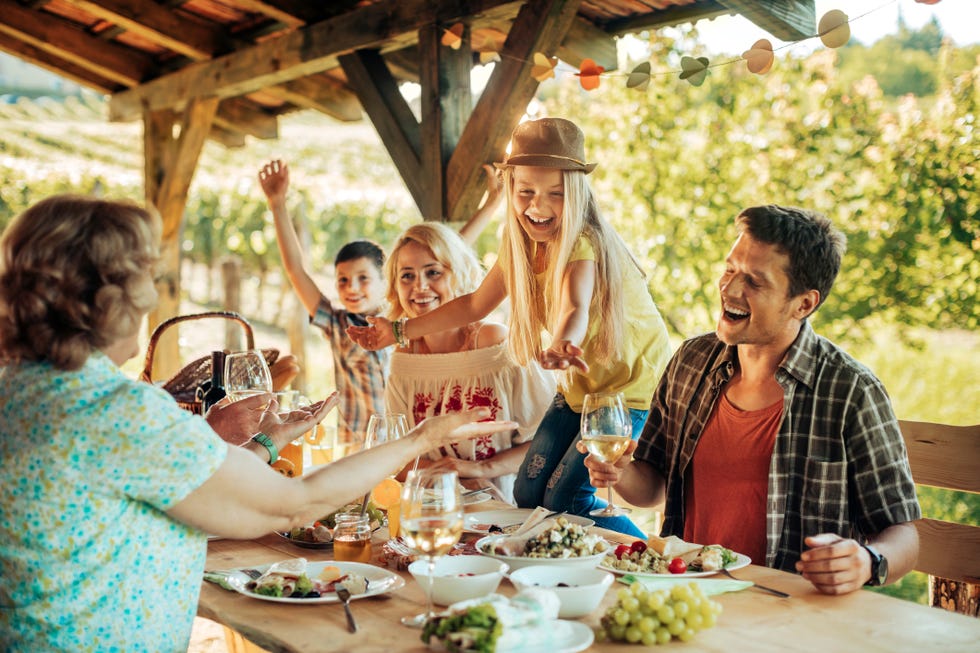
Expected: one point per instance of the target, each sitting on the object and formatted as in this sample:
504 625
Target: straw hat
548 143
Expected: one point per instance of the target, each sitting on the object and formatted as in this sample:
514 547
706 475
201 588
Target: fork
251 573
344 595
757 585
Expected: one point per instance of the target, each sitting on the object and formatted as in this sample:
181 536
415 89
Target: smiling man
769 439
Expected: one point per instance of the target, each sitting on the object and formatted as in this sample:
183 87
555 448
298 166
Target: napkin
709 586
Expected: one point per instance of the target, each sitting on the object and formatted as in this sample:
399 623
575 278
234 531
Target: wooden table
752 620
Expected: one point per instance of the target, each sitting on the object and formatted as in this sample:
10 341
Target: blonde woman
567 273
460 368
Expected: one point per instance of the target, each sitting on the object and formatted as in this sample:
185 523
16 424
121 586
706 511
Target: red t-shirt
726 485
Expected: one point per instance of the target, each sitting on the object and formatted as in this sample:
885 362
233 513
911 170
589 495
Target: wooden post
231 284
171 147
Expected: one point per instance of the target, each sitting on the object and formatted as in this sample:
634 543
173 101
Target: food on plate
551 538
493 622
289 579
321 531
318 533
650 617
668 555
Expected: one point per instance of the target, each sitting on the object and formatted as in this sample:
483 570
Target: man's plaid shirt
838 465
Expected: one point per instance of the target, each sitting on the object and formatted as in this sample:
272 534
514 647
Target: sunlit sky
870 20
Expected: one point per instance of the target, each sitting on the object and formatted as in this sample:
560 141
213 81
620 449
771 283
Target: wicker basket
184 384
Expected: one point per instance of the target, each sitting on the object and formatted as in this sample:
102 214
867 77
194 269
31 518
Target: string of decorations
833 30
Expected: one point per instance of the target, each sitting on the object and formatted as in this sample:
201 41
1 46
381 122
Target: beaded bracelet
398 330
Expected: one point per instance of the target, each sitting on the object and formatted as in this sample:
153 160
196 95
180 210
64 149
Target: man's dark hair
812 243
362 249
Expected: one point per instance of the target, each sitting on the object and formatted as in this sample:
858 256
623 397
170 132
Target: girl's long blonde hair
535 306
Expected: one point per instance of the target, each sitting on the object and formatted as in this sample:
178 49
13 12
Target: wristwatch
879 567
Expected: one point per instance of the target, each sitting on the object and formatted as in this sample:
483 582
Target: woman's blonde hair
76 274
448 248
534 305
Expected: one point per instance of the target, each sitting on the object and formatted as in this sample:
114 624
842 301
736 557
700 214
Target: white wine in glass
246 374
431 522
606 431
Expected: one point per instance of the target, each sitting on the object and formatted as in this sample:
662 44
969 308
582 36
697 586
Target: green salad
475 629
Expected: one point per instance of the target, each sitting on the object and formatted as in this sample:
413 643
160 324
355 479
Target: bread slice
671 547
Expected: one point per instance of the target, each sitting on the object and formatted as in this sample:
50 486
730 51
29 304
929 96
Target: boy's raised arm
274 179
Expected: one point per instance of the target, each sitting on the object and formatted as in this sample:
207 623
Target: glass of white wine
246 374
431 522
606 430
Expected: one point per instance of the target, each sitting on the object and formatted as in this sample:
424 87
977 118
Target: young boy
359 374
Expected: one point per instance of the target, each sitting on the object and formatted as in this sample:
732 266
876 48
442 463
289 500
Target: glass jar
352 537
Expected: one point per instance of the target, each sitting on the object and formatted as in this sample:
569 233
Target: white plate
565 637
380 581
474 499
517 562
741 560
479 522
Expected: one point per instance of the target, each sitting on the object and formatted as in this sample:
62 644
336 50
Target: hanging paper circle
928 2
640 77
834 30
694 70
543 67
453 37
588 74
759 57
487 57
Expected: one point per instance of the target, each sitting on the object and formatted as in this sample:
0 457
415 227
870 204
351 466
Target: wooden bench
947 457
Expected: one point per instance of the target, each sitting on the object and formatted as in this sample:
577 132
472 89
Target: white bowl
584 591
458 578
518 562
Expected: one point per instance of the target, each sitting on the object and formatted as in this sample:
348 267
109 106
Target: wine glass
431 522
606 431
385 427
246 374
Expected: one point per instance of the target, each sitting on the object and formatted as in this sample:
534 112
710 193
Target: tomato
638 547
677 566
622 550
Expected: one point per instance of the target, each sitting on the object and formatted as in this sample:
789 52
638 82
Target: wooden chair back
948 457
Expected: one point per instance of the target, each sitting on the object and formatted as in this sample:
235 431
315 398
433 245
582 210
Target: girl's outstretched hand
377 336
562 355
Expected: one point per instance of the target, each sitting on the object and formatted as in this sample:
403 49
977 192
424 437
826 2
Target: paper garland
833 30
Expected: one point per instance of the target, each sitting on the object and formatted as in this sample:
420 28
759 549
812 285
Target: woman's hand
444 430
237 421
274 179
377 336
285 429
561 355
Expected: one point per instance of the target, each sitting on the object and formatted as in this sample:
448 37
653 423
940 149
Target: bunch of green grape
648 617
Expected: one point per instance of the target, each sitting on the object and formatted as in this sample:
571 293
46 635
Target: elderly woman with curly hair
108 487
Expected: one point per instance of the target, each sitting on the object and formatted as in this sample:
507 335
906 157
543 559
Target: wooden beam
293 13
675 15
55 64
238 114
586 41
788 20
167 28
122 65
389 25
446 101
320 93
392 117
539 27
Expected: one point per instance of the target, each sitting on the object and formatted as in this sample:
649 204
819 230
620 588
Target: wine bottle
215 388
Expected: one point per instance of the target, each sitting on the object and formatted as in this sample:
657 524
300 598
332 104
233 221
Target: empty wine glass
431 523
246 374
606 430
385 427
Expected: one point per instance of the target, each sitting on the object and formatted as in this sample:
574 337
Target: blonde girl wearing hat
459 368
566 272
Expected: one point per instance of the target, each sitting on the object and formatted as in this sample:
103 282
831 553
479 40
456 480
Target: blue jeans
554 476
